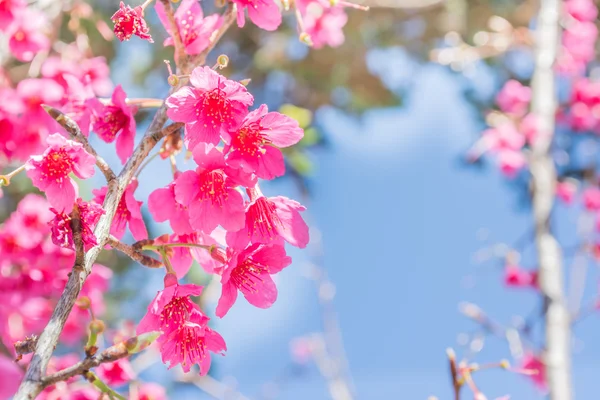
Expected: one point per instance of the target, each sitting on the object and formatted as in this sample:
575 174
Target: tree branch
134 254
543 104
71 126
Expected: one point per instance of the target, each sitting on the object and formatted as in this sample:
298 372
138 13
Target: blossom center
213 187
247 275
190 344
214 108
57 165
249 140
176 312
263 219
110 123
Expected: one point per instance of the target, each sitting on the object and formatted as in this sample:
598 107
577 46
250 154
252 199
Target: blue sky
400 217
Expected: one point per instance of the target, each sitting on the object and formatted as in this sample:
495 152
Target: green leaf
301 163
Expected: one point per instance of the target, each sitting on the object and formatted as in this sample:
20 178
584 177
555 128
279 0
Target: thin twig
180 56
134 254
71 126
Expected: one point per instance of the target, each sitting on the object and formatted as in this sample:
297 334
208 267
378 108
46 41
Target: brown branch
71 126
26 346
32 384
180 56
557 358
111 354
228 18
133 253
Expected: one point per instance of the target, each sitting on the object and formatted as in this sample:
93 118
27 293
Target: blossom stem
5 179
141 102
180 56
146 4
166 261
202 246
103 387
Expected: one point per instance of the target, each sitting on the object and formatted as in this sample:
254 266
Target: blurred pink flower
514 98
50 171
194 30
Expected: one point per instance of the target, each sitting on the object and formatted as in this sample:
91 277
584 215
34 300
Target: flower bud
138 343
83 302
504 364
173 80
305 38
222 61
97 326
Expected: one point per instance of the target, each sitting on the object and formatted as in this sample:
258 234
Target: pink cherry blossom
50 171
191 344
566 191
130 21
128 213
324 25
11 375
591 199
182 257
263 13
26 37
582 118
514 98
252 145
62 233
511 162
505 136
582 10
163 206
8 10
116 373
211 107
515 276
109 120
170 308
151 391
249 271
79 95
209 192
268 220
194 30
537 370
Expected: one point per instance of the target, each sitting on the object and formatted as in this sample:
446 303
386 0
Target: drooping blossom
269 220
151 391
254 145
191 344
25 34
194 30
128 212
50 171
77 105
566 191
130 21
62 232
582 10
186 338
164 207
324 24
8 10
249 271
11 375
515 276
536 370
263 13
116 373
209 191
211 107
514 98
511 162
115 121
591 199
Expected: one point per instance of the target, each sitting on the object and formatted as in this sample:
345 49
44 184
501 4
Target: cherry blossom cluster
320 22
34 272
217 212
